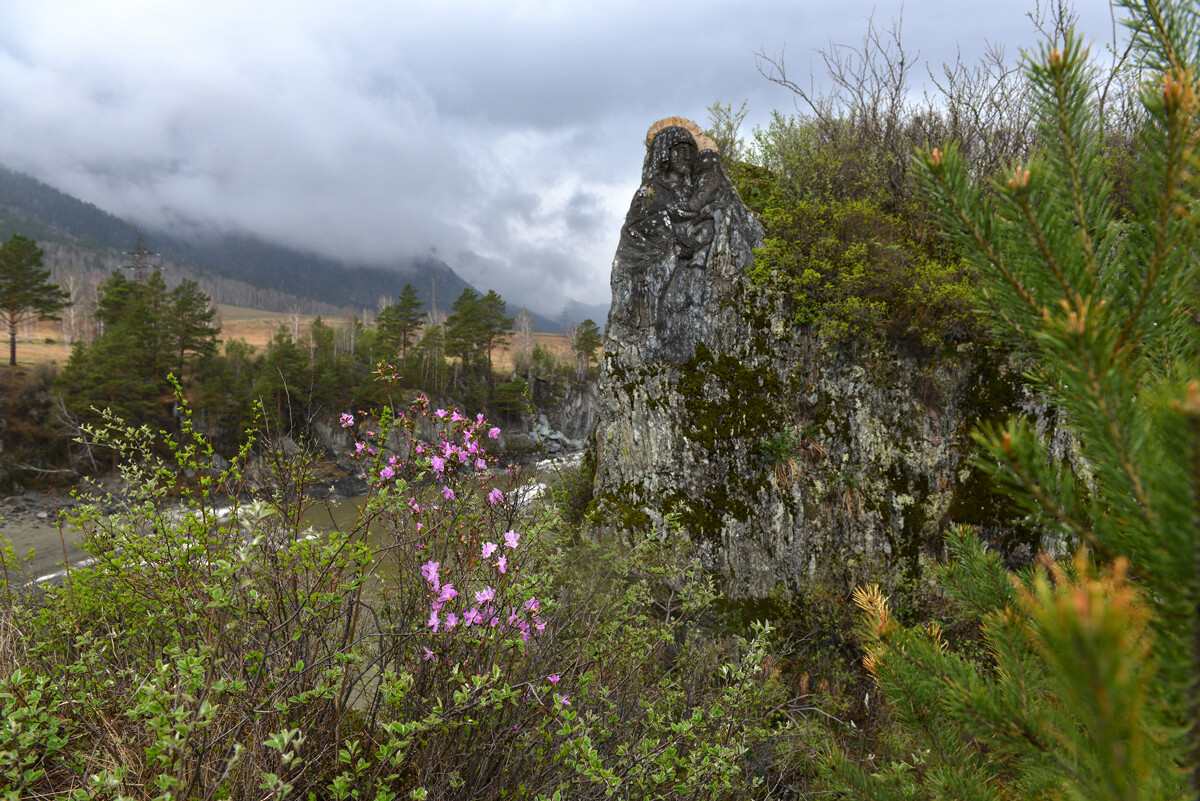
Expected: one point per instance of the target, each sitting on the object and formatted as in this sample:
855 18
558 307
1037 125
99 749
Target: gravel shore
29 522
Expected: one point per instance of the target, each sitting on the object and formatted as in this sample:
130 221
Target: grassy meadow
47 345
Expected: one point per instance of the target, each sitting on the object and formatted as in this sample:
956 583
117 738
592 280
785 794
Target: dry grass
256 327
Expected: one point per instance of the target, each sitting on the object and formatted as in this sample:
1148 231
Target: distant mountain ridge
95 238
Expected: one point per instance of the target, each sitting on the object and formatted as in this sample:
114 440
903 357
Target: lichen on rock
778 452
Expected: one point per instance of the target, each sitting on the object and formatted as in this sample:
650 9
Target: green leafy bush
447 644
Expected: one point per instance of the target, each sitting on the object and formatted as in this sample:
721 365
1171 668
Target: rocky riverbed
29 522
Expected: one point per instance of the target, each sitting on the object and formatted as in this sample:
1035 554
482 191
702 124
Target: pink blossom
502 565
493 433
438 464
457 418
489 548
532 604
430 571
441 413
483 596
494 497
451 621
359 447
562 699
479 418
447 493
428 654
386 473
472 616
347 420
553 678
511 539
463 457
480 464
448 592
433 622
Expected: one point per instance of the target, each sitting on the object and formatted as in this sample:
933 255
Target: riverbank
29 522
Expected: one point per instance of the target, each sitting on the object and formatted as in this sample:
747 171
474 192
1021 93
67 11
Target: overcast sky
505 135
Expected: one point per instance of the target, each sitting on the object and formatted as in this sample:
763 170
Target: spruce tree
1082 682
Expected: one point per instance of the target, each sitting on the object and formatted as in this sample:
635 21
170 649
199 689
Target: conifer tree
465 328
495 325
25 289
1083 683
398 322
189 325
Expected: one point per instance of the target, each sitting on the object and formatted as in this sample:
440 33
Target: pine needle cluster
1086 685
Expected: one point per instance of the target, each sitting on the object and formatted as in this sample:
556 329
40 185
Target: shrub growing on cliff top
1089 688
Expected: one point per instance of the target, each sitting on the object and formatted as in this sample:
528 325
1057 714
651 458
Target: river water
47 564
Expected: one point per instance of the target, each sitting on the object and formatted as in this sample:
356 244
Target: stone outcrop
782 456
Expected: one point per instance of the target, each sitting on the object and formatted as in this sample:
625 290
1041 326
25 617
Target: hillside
236 268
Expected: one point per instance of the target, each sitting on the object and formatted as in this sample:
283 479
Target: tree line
145 337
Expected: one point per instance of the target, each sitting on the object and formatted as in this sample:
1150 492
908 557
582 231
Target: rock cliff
783 456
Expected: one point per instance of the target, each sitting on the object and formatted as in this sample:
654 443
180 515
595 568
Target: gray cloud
508 135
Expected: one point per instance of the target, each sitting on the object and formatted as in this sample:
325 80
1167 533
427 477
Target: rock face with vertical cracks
785 458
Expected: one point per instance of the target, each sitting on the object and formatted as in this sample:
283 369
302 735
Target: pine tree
465 328
189 326
25 288
398 323
587 340
1088 686
495 325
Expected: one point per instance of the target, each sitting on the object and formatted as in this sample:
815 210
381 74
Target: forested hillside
238 269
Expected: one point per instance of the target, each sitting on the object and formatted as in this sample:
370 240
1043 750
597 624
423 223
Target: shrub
446 645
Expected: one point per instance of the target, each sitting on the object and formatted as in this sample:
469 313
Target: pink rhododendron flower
448 592
430 571
479 418
451 621
489 548
480 464
532 604
347 420
433 622
386 473
502 565
447 493
493 432
483 596
553 678
562 699
511 539
359 447
428 654
441 413
494 497
457 418
472 616
438 464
